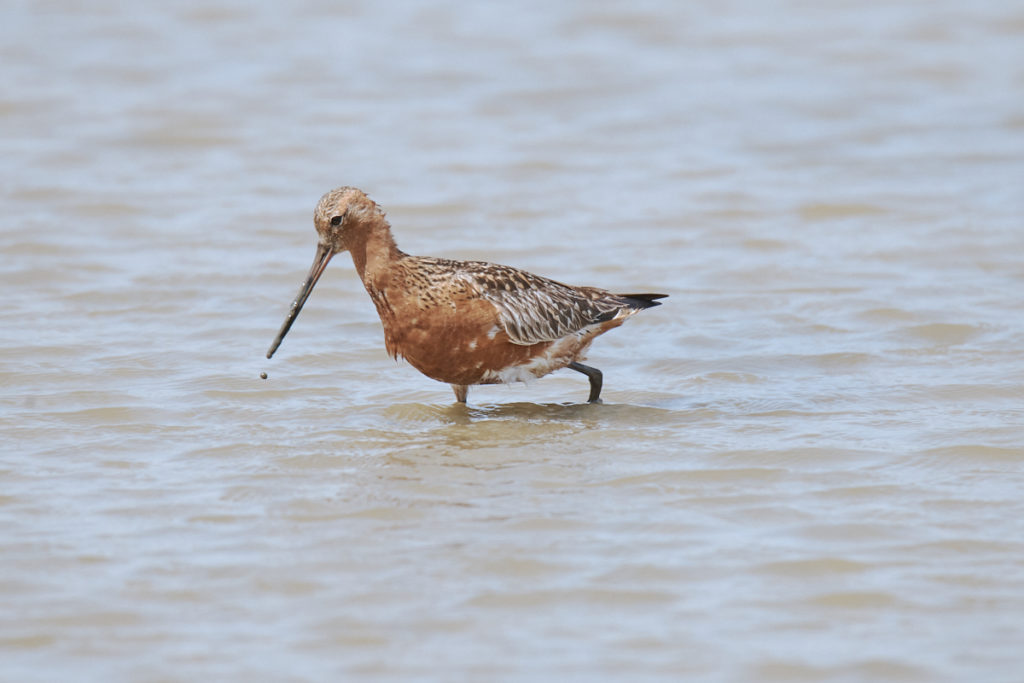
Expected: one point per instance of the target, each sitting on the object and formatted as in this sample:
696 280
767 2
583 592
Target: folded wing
533 309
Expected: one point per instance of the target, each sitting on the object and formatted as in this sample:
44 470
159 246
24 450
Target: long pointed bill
323 255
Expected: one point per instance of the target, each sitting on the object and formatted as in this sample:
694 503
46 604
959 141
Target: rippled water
809 462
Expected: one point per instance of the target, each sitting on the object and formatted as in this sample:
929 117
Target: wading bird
462 322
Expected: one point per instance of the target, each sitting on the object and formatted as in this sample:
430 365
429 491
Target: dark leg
595 380
460 392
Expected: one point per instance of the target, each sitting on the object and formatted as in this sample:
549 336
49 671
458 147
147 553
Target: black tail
643 300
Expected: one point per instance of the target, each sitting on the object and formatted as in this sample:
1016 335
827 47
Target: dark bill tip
323 256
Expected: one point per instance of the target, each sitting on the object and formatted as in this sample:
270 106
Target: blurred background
809 461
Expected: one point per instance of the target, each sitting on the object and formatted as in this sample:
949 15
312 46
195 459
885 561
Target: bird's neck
374 250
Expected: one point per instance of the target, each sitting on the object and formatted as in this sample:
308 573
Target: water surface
809 461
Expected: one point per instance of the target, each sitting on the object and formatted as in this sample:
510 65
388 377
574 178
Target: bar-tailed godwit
462 322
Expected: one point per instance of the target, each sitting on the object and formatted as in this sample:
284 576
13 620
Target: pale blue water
809 461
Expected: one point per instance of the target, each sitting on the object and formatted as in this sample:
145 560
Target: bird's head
342 215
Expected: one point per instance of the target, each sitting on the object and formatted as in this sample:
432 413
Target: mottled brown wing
535 309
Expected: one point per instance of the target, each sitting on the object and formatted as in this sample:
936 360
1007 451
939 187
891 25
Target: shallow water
809 461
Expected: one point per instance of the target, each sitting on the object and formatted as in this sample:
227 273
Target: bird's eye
336 220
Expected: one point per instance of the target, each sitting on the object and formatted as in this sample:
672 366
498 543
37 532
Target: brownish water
810 461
